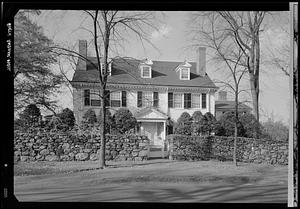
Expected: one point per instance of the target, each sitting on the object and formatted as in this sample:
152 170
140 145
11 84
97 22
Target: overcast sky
171 40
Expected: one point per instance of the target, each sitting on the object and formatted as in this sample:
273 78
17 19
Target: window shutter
107 99
139 98
187 101
155 99
170 99
86 97
124 99
203 100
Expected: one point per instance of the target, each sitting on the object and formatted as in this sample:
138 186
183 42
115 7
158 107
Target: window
109 68
187 100
177 100
147 99
86 97
95 97
195 100
185 74
203 101
146 71
115 99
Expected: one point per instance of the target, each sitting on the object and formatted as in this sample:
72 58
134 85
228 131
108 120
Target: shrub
209 123
276 130
183 125
197 125
225 125
124 120
67 117
249 125
89 117
30 116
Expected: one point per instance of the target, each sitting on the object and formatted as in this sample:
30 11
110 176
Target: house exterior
222 105
156 92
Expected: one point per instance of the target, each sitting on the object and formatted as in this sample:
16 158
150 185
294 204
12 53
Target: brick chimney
222 95
83 52
201 61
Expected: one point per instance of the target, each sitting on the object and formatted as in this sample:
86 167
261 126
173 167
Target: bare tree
245 29
109 28
223 46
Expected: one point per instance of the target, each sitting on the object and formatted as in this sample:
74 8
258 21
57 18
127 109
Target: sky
64 27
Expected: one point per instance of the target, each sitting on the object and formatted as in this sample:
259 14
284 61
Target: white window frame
109 68
181 70
193 99
142 71
182 100
119 95
143 98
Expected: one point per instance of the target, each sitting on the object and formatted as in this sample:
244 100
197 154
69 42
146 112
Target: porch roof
150 114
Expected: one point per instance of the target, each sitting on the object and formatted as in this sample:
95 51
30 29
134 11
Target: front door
154 131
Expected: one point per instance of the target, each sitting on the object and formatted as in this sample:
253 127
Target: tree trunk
235 127
102 129
255 95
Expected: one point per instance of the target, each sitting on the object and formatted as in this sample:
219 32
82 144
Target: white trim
184 68
142 70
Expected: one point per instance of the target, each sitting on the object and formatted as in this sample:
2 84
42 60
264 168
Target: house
156 92
222 105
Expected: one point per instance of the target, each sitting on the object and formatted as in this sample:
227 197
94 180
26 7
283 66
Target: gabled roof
150 113
126 71
230 105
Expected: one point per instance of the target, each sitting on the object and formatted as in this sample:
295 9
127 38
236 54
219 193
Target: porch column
163 141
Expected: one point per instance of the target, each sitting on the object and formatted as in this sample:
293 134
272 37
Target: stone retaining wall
40 145
221 148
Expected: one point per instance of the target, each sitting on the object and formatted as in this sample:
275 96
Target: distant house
222 105
154 91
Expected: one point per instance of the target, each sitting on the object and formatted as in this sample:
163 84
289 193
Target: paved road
84 186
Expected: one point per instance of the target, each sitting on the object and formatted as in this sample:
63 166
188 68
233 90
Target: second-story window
147 99
195 100
115 99
146 71
177 100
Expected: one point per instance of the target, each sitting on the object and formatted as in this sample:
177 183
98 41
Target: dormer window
184 74
145 66
109 68
146 71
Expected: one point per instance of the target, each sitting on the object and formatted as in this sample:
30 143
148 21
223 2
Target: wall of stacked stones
221 148
41 145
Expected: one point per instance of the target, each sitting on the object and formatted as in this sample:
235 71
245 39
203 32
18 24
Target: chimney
201 61
222 95
82 52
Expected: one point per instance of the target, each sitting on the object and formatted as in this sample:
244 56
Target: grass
153 180
160 170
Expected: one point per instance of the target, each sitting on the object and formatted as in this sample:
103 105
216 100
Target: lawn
151 181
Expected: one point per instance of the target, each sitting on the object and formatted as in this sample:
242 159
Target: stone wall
41 145
221 148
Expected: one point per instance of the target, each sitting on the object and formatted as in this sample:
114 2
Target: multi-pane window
115 99
185 74
91 97
203 100
146 72
147 99
195 100
95 97
177 100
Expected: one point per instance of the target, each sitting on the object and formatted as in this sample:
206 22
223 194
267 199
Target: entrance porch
152 124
